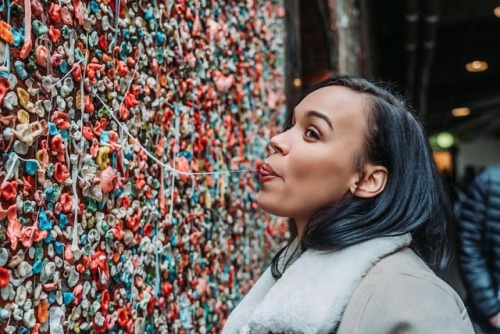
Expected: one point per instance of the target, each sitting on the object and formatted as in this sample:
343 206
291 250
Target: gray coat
379 286
400 294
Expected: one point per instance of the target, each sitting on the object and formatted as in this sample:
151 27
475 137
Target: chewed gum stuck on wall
100 102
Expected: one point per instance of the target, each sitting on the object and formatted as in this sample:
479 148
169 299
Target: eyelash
314 135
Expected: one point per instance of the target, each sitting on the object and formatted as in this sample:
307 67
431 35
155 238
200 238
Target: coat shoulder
401 294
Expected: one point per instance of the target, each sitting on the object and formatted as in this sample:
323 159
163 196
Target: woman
355 174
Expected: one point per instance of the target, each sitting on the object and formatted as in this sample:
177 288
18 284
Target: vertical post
428 44
412 17
293 67
367 55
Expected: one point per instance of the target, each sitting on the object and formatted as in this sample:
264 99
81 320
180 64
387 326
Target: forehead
335 102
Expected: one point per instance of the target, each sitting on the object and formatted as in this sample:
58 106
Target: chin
270 206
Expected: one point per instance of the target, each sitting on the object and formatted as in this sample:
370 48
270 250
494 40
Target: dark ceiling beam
412 17
420 44
488 121
430 23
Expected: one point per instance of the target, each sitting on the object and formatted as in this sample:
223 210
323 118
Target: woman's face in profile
313 164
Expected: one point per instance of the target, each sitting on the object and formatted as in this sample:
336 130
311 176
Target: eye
310 133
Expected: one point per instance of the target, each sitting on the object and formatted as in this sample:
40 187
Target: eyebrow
313 113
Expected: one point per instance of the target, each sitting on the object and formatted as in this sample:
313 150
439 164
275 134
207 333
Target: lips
267 173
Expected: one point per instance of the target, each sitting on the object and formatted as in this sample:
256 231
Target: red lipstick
267 173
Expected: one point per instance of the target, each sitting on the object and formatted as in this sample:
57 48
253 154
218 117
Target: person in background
355 174
468 177
479 248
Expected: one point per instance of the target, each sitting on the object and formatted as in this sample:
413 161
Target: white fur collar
313 292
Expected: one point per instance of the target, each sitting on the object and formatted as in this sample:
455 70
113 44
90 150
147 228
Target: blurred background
444 55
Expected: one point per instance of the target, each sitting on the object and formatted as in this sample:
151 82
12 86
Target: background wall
483 151
100 100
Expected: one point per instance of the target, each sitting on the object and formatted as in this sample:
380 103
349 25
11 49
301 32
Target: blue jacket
479 244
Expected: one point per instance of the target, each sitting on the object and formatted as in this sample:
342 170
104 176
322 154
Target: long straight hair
414 200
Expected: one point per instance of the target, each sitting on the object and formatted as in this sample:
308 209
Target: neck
301 226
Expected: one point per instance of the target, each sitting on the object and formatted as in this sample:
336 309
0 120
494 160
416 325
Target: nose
279 144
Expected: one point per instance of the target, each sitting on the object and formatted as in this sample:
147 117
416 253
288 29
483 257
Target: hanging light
496 11
476 66
460 112
297 82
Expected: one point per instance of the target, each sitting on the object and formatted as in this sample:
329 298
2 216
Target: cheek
314 179
321 179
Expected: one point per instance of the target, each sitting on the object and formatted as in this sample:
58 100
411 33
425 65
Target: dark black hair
415 199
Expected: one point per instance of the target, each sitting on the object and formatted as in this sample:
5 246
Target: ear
372 183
